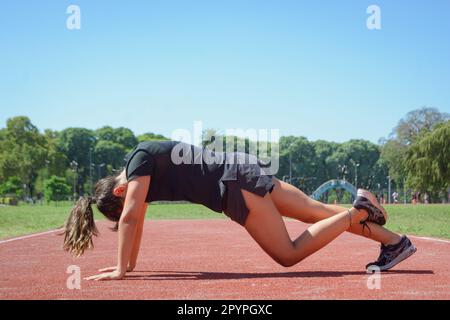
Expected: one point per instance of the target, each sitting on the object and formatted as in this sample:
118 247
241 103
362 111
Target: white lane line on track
30 236
35 235
56 230
430 239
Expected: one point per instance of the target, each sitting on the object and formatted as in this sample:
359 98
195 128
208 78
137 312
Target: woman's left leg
293 203
266 226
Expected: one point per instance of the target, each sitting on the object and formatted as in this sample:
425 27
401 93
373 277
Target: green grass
422 220
431 220
181 211
26 219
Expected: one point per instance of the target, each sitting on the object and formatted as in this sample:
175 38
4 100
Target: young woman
233 183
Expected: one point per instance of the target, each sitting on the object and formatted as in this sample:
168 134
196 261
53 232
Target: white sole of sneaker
401 257
368 195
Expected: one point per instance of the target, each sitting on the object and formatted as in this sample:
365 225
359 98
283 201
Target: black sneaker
367 201
392 255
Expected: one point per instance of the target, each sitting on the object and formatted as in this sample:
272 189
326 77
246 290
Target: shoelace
365 225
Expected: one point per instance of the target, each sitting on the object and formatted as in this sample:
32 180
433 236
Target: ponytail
80 227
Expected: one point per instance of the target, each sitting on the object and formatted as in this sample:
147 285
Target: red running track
217 259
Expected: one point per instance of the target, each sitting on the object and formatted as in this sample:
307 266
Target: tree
20 130
12 186
414 125
323 151
105 133
122 136
3 134
56 189
22 151
56 162
378 178
393 154
417 120
150 136
126 138
32 157
111 153
428 161
354 152
76 144
299 152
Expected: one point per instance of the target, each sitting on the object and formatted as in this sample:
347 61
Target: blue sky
308 68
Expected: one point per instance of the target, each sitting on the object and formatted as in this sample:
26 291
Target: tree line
58 165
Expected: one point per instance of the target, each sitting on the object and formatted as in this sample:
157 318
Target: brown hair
80 226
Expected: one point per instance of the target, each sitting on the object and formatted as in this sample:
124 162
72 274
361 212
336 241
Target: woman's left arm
133 212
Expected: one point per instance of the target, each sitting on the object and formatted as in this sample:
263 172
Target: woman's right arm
136 247
137 242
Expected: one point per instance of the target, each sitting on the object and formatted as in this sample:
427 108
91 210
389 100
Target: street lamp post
343 169
290 166
389 189
290 163
90 170
404 191
99 168
74 166
25 191
45 177
47 163
302 182
356 165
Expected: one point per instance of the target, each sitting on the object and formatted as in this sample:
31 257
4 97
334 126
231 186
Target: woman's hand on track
110 269
113 275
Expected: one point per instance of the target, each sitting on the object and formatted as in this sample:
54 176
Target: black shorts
249 178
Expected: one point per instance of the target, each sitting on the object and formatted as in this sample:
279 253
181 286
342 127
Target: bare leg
293 203
265 224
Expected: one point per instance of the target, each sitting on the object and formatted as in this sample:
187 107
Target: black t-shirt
181 171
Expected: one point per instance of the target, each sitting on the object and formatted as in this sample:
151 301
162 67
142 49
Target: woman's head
108 197
80 226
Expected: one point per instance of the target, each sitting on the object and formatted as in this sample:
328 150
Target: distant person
382 199
426 198
241 190
395 197
414 198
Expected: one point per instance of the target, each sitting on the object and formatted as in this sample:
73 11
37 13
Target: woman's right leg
265 224
293 203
